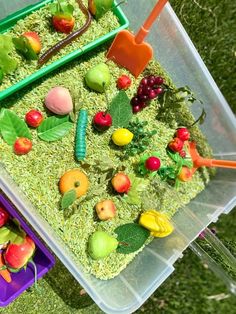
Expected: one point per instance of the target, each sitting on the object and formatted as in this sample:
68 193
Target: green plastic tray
11 20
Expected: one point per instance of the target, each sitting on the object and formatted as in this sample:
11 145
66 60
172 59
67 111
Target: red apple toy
4 217
105 210
102 121
183 134
123 82
153 163
176 145
22 146
17 256
34 41
34 118
121 183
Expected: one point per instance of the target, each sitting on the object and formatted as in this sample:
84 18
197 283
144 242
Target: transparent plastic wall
126 292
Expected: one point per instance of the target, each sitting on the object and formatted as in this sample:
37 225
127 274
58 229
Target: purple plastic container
22 280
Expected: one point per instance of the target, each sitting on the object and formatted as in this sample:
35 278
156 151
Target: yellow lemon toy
156 222
122 137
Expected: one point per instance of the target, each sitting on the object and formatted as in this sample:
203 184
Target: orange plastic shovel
131 51
199 161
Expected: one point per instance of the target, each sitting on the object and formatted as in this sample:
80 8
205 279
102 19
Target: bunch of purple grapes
149 88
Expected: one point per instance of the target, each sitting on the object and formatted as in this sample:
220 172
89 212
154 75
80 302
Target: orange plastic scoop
199 161
131 51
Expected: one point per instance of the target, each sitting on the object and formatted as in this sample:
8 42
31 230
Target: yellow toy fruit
122 137
74 179
157 223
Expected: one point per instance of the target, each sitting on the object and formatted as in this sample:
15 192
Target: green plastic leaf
131 237
23 46
120 110
12 127
7 63
188 163
54 128
61 7
174 156
137 186
68 199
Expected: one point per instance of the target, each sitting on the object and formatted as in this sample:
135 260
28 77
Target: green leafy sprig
62 7
141 138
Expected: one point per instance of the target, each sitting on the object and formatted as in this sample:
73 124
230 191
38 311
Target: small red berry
22 146
144 81
176 145
136 108
153 163
135 101
34 118
183 134
182 153
159 80
158 90
102 121
123 82
152 94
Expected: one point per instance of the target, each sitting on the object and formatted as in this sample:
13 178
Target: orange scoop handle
144 30
214 163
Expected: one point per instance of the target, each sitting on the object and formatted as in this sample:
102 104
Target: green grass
186 291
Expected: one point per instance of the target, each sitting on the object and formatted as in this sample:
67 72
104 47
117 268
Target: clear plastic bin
126 292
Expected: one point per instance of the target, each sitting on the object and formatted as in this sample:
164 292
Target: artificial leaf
61 7
200 119
68 198
120 110
54 128
131 237
22 45
137 186
12 127
174 156
188 163
7 63
167 173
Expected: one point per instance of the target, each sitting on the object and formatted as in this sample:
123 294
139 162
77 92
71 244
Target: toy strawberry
62 16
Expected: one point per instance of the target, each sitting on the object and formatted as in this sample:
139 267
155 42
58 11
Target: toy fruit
122 137
99 7
34 41
121 183
22 146
176 145
157 223
4 217
101 244
28 44
34 118
153 163
123 82
62 16
59 101
183 134
74 179
105 210
4 273
17 256
102 121
185 174
98 77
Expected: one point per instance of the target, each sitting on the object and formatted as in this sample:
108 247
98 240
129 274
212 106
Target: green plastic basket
11 20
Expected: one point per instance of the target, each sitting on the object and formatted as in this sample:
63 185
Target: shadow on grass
67 288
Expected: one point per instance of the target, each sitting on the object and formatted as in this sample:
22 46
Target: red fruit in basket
63 23
102 121
34 41
22 146
34 118
121 183
123 82
183 134
176 145
153 163
17 256
4 217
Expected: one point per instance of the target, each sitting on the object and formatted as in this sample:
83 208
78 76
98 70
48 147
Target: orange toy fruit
74 179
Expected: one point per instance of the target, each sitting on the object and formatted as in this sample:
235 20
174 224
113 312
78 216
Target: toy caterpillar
80 141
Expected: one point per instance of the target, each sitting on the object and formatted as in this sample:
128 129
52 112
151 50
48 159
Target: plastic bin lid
13 6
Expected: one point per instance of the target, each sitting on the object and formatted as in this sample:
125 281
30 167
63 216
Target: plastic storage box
11 20
22 280
127 292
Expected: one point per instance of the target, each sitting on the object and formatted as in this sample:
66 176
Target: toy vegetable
158 223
